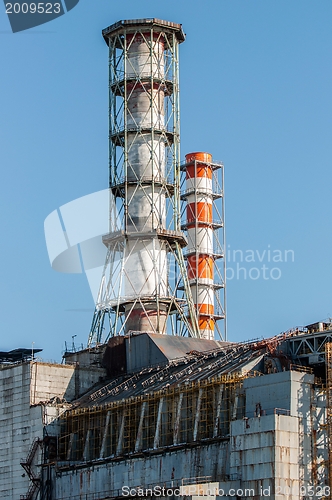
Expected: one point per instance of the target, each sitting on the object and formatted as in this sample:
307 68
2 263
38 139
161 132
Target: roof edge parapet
133 24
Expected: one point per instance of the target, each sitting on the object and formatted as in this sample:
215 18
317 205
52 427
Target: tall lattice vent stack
145 285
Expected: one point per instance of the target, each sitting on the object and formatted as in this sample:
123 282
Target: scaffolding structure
178 415
144 284
328 366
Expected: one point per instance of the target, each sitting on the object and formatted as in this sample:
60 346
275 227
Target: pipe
200 262
145 257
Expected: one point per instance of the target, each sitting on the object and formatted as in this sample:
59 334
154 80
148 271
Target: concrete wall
92 357
15 429
269 451
280 449
265 453
22 388
289 391
61 381
292 393
154 469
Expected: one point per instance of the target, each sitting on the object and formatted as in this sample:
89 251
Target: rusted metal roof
188 369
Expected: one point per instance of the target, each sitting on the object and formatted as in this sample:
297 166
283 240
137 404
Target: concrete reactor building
160 403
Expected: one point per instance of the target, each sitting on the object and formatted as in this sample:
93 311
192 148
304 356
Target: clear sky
256 80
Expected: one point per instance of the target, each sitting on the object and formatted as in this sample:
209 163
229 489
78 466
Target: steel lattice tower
144 285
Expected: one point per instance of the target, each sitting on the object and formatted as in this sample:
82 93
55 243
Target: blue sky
256 79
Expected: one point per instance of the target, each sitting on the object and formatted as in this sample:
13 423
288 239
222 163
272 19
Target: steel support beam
177 420
138 443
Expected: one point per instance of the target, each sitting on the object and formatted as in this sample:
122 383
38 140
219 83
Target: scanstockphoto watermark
250 264
213 490
193 490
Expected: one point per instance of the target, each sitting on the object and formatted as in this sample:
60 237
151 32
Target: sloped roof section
193 367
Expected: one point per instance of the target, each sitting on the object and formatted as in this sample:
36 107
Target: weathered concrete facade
274 449
26 406
106 480
181 423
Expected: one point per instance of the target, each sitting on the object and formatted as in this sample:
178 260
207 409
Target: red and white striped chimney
200 262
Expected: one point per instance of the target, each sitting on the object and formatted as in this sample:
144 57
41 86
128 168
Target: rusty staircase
27 465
